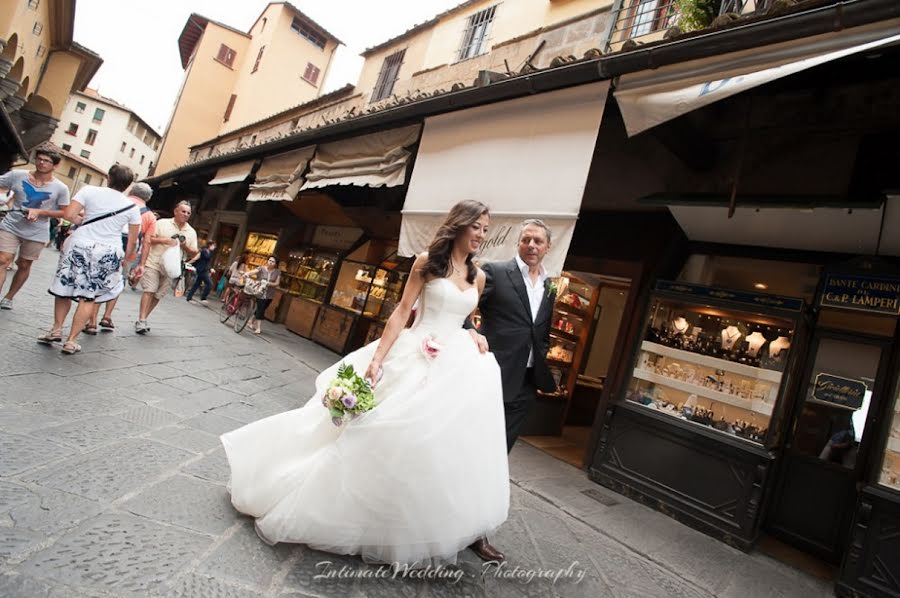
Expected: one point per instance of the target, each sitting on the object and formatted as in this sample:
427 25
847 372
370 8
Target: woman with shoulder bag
89 269
272 274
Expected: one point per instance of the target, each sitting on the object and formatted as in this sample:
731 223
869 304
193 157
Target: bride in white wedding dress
422 475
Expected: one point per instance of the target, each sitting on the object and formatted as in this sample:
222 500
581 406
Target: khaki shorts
154 281
28 250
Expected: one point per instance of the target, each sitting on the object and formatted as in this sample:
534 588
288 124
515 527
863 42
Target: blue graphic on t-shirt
33 197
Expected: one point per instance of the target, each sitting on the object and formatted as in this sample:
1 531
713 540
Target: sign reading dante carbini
862 293
839 390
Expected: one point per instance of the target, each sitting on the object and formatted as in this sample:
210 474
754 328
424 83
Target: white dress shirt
535 292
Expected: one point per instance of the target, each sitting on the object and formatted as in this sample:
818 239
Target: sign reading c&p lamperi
840 391
862 293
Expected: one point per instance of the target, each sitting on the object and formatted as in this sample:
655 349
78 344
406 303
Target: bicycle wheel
227 309
243 313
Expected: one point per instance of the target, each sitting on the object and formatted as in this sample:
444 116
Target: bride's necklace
460 269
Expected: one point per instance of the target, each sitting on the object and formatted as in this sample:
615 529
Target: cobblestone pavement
112 483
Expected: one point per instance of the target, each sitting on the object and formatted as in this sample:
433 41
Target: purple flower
349 401
338 421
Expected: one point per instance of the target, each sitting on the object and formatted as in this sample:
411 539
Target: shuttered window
230 107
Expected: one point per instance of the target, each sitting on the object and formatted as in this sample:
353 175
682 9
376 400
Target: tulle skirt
413 481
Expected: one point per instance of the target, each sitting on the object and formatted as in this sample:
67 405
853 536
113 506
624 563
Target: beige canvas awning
525 158
280 177
233 173
652 97
374 160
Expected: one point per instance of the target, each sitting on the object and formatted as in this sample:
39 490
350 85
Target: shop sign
336 237
862 293
746 297
840 391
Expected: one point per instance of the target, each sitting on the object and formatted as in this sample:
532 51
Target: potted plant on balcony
696 14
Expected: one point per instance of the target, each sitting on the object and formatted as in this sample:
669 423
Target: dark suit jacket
507 324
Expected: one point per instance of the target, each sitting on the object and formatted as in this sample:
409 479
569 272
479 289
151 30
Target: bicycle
243 304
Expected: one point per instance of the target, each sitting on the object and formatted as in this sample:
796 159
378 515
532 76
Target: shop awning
650 98
280 177
525 158
862 229
233 173
374 160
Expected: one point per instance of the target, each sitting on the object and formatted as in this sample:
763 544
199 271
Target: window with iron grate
390 69
477 33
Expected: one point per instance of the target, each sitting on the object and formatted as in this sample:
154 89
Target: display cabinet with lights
570 327
307 276
697 425
259 248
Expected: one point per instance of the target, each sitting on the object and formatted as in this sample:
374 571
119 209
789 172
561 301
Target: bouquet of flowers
348 396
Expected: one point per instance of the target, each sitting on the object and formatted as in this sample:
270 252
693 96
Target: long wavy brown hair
460 217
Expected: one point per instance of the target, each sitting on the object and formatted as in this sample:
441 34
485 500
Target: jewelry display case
696 427
720 368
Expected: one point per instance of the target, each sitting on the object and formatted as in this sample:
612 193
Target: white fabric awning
525 158
649 98
374 160
233 173
280 177
861 231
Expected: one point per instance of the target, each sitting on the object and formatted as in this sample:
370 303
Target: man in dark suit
515 307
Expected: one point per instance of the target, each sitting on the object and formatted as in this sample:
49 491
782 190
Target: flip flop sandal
106 324
51 337
92 330
71 348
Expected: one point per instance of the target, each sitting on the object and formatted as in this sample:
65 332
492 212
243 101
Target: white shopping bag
171 261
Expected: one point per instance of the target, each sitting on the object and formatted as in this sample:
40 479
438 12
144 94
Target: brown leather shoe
488 553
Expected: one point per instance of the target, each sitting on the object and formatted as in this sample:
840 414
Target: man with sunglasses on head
33 199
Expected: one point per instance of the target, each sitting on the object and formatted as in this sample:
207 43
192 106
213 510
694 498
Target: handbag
256 288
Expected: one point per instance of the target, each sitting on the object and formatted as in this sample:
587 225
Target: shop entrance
829 441
583 337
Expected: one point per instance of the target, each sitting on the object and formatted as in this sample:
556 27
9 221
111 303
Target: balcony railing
641 20
648 20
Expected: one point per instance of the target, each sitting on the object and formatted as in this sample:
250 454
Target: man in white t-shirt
155 283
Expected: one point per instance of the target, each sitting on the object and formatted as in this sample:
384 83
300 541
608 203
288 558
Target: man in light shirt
155 283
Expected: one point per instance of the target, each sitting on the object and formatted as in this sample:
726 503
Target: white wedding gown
415 480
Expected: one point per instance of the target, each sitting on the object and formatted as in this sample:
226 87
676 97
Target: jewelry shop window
714 367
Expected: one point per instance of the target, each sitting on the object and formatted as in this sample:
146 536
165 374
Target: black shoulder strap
107 215
144 210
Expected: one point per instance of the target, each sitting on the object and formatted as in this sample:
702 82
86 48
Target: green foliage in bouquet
348 394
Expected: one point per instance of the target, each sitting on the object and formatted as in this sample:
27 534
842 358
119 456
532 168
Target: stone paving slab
21 453
186 438
187 502
50 511
124 554
242 557
91 432
110 472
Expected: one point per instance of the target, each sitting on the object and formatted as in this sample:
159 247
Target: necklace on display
778 345
754 341
729 336
680 324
